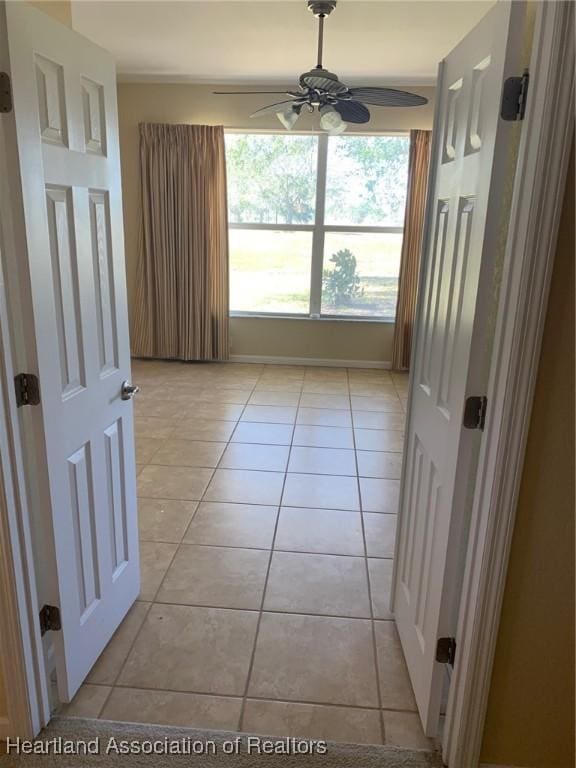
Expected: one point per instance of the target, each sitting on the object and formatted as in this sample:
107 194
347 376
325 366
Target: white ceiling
246 42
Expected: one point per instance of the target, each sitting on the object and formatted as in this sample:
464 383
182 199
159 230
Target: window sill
308 318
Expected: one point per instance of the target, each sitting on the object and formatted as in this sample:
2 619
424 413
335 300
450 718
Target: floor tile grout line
257 632
236 696
176 423
296 445
259 504
285 445
283 550
121 668
403 395
261 611
274 471
153 601
369 586
276 611
149 608
150 605
227 443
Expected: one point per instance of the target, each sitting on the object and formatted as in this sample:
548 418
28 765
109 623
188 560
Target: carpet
106 741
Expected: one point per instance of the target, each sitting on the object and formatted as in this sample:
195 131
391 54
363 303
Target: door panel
103 266
65 119
115 449
466 227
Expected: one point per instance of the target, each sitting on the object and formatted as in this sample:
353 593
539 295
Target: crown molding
175 79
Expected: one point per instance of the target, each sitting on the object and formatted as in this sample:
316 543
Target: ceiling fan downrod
321 9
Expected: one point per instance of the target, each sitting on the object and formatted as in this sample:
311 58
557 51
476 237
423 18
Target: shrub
342 283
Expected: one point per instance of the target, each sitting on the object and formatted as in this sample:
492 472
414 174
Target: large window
316 223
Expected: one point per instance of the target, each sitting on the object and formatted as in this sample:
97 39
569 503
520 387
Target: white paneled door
72 270
472 170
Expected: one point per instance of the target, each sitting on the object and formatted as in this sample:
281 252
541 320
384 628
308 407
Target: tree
271 178
367 179
341 283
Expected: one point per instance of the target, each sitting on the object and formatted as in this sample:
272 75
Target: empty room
286 323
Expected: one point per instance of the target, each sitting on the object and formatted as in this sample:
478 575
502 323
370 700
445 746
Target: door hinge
446 650
50 620
5 93
514 95
27 389
475 412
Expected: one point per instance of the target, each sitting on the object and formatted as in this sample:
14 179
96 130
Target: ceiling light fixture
321 90
331 121
289 115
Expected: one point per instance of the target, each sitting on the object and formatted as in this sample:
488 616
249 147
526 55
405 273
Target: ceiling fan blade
246 93
273 108
352 111
387 97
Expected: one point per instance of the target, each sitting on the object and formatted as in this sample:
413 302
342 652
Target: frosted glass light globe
331 121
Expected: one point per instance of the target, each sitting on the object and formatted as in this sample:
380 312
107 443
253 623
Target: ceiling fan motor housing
322 80
321 7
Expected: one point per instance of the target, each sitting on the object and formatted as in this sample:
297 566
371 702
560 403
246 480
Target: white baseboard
316 361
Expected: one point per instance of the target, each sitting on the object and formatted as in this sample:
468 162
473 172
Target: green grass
270 271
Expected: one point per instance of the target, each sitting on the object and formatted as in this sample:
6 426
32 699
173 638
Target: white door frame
538 190
19 637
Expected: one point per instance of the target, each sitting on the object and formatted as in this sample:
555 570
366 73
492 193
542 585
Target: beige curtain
182 275
411 248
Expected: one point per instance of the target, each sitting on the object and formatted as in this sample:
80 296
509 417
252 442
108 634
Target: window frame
319 229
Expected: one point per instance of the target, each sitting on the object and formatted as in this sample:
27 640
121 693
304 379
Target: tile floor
267 508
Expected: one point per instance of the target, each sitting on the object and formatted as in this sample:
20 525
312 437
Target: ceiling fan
322 90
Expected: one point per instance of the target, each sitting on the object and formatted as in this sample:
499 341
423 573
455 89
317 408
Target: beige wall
61 10
3 706
531 706
171 103
325 339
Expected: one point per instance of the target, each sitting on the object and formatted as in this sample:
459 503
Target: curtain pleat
182 274
419 162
